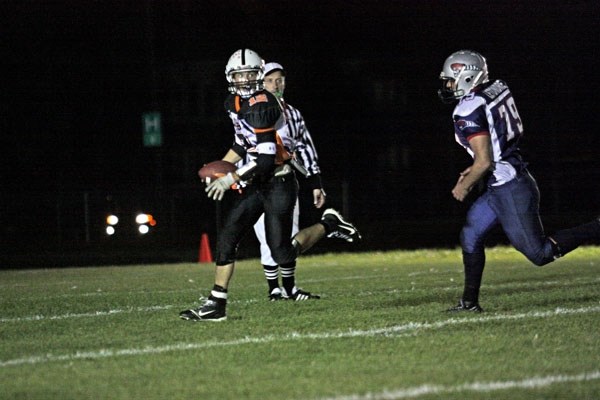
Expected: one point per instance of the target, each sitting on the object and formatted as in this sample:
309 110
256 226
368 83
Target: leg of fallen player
307 237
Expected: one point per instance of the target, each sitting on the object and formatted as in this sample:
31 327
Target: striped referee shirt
305 150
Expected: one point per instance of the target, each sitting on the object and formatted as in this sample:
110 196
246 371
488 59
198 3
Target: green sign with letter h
152 132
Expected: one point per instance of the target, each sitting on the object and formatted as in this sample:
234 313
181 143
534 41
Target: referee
305 155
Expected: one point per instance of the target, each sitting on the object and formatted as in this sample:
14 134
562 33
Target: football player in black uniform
271 186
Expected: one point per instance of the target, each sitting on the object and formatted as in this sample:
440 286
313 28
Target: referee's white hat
272 67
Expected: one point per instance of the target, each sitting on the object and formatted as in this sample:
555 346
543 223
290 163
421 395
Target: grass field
379 331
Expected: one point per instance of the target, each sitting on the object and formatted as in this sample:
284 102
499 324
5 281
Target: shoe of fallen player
342 229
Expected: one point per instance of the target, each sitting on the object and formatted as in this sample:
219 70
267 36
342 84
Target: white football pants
259 229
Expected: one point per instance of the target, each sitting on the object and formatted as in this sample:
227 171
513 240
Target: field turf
378 332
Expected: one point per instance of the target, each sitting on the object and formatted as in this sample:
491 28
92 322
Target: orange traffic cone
204 255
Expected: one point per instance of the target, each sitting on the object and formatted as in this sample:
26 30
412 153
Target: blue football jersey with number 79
491 110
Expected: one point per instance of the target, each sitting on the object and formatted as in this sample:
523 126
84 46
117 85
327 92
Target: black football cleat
341 228
277 294
300 295
211 310
466 306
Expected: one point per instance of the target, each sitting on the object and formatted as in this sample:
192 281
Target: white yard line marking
575 281
427 389
100 293
408 328
533 284
83 315
511 285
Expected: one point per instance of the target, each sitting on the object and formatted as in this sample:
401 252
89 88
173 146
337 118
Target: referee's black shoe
337 227
277 294
466 306
299 295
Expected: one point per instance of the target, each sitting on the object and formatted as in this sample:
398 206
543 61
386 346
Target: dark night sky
77 74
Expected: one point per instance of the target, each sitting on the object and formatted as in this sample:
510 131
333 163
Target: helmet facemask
447 93
245 72
246 86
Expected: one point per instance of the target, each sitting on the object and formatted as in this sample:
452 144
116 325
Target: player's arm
261 112
305 147
306 154
482 163
266 147
216 189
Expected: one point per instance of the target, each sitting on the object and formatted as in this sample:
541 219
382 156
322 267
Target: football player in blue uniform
488 126
271 186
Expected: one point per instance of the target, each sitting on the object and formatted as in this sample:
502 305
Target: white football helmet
245 60
462 71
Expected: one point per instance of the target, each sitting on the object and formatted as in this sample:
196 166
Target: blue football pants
515 207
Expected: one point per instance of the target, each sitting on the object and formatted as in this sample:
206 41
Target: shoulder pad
262 110
233 102
494 90
262 98
469 104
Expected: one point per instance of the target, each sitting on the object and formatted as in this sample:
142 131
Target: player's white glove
217 188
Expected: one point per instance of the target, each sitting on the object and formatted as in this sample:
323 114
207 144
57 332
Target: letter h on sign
152 133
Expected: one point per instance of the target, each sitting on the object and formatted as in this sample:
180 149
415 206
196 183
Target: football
215 169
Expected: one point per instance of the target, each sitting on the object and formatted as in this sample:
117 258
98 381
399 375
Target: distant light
143 218
112 220
110 230
143 229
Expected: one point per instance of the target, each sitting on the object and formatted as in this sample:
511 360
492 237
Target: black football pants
276 198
